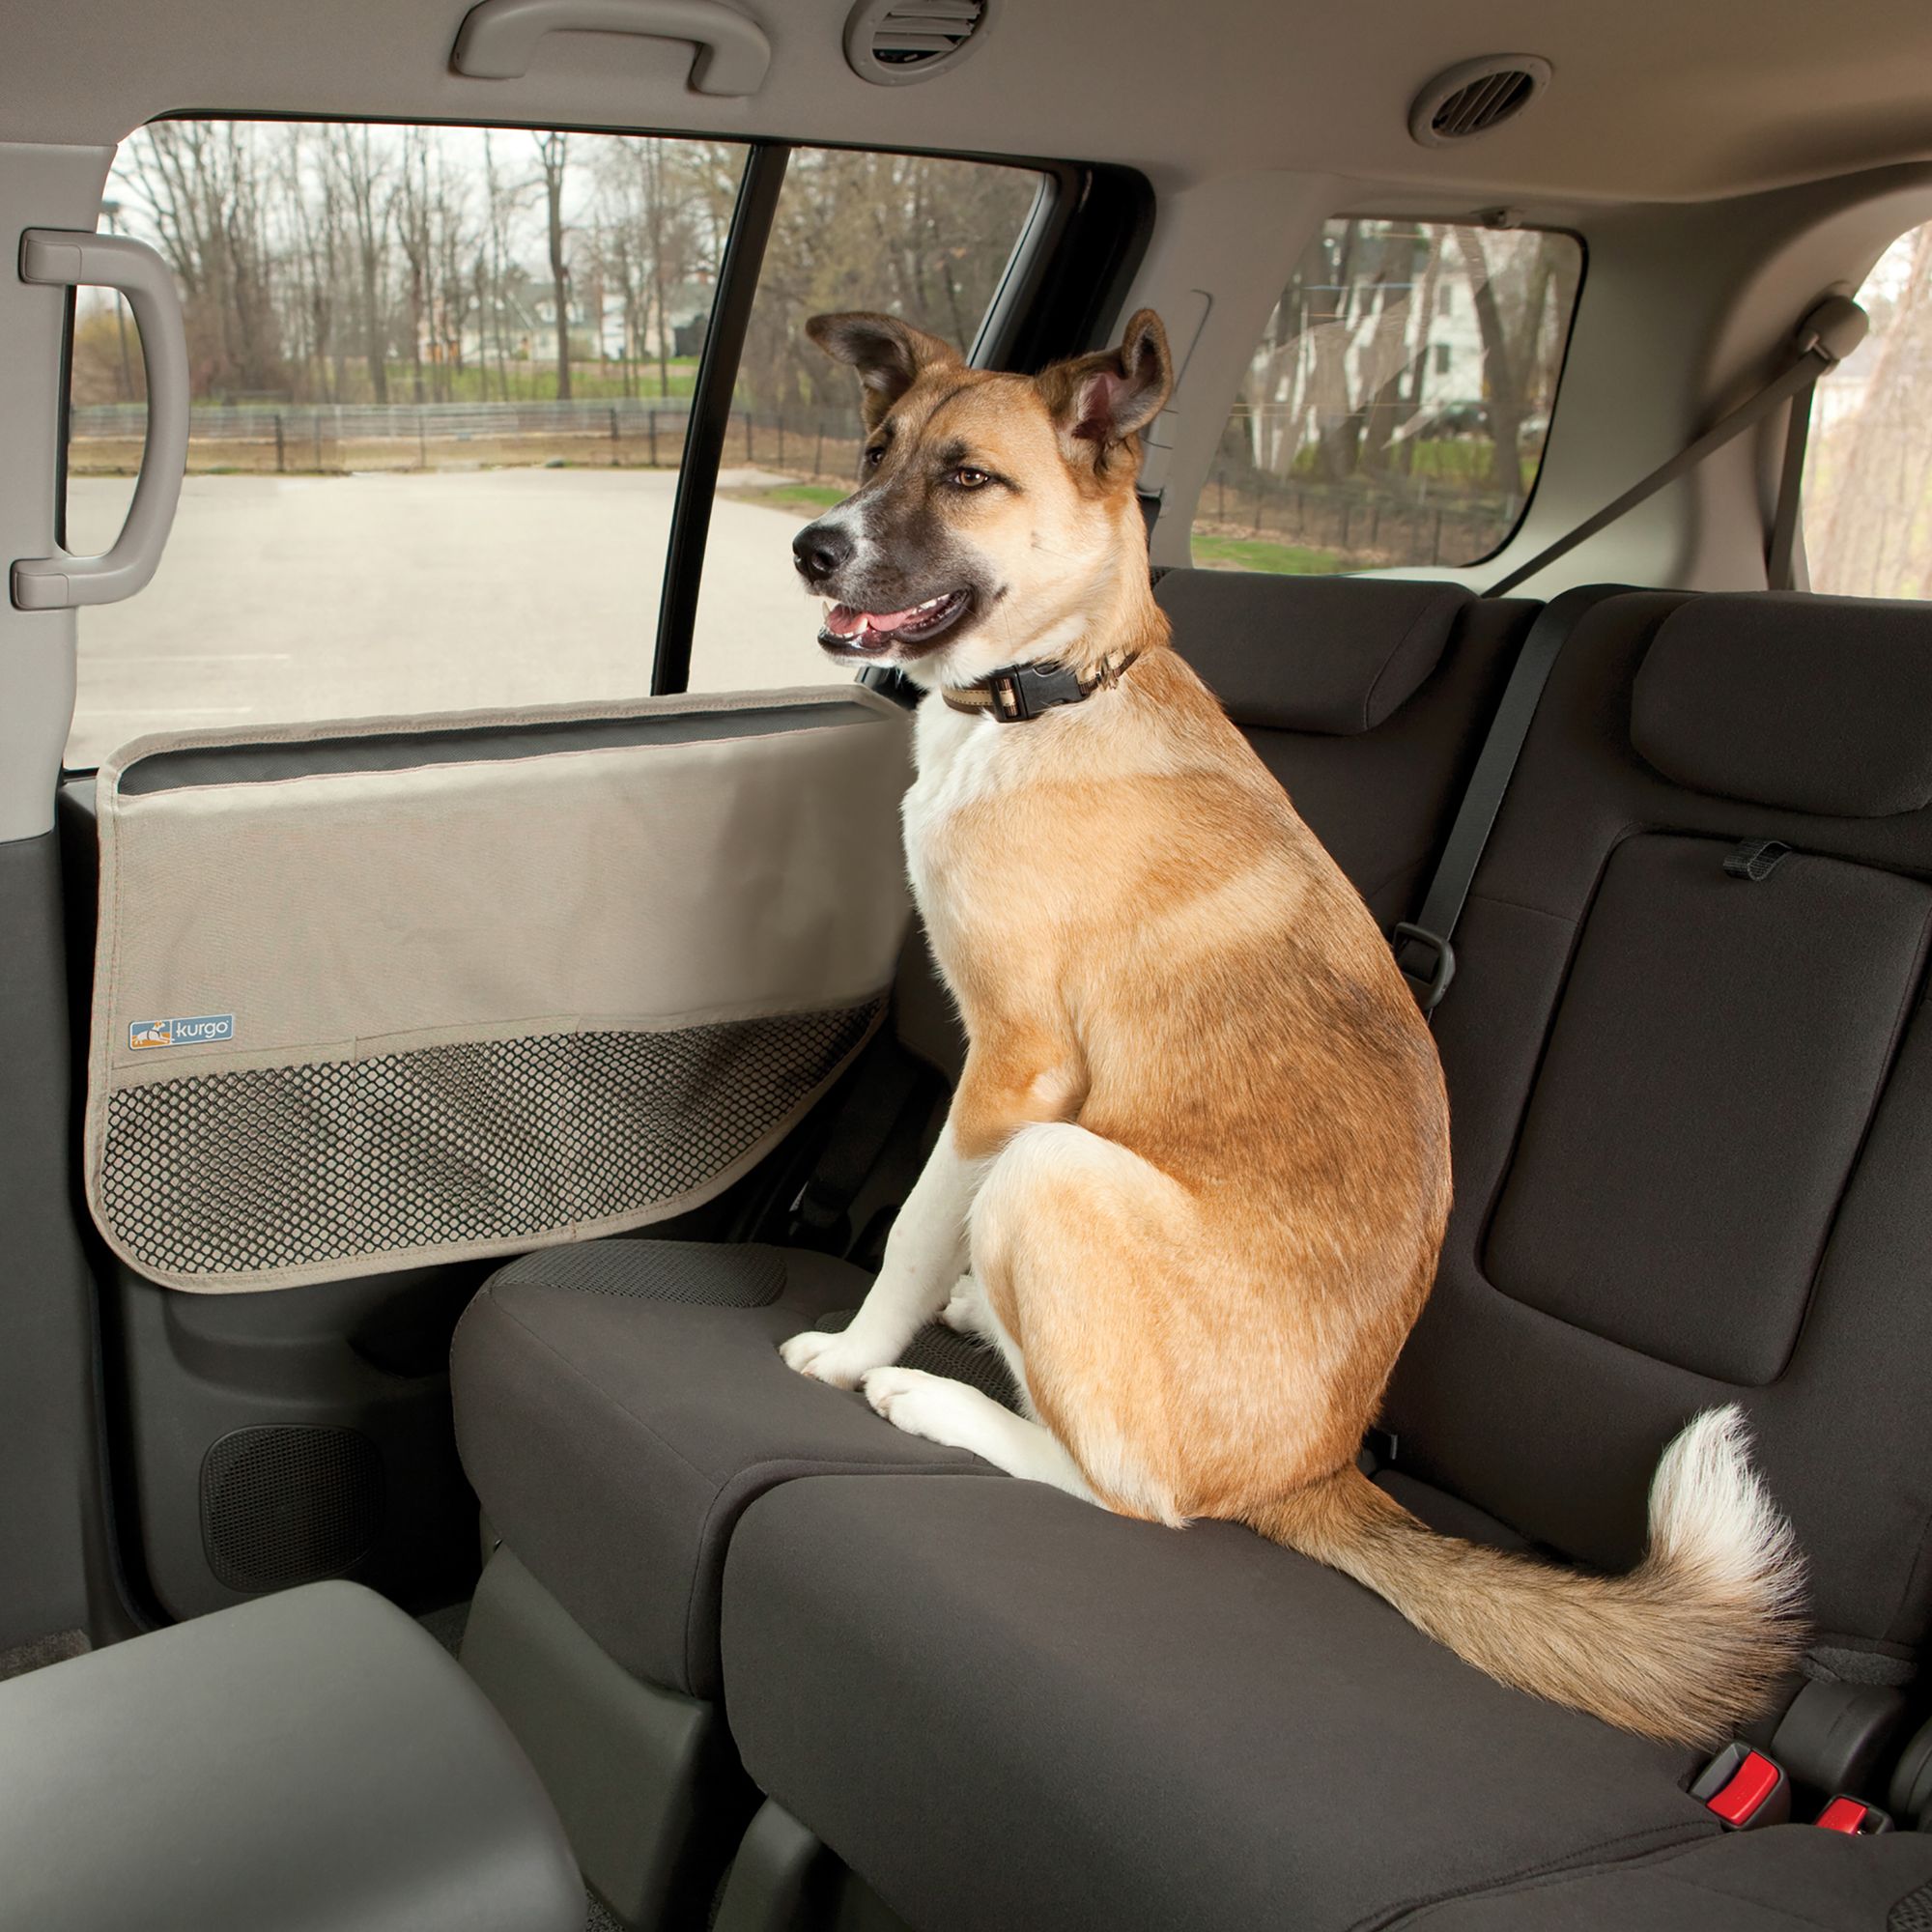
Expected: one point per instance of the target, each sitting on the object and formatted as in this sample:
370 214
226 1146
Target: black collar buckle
1031 689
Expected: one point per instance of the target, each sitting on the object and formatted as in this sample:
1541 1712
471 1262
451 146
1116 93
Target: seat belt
1422 946
1824 339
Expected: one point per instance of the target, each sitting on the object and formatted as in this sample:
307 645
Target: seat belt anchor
1429 984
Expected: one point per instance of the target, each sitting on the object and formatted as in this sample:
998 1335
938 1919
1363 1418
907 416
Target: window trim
752 216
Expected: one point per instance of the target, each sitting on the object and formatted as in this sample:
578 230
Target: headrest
1330 654
1818 704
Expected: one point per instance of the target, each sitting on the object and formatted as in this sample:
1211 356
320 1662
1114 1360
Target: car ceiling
1649 99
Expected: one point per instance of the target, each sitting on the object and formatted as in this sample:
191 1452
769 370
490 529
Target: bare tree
363 171
554 155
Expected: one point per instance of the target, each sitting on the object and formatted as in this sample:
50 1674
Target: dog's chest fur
961 762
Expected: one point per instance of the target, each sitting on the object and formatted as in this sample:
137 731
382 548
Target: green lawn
793 496
1283 560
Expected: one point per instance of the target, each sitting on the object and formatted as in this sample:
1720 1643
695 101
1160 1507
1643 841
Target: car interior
465 1007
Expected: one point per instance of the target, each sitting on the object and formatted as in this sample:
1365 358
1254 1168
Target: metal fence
1356 525
329 436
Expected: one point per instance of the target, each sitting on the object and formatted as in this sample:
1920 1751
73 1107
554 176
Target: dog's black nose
820 548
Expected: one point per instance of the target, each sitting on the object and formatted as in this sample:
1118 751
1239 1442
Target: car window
1395 409
923 237
1868 463
441 378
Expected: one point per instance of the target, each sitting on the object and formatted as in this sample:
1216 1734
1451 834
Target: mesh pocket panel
700 1274
447 1147
1913 1913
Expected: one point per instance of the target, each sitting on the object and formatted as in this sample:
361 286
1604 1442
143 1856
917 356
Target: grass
1281 559
791 496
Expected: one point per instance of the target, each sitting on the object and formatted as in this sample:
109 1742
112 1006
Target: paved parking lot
297 597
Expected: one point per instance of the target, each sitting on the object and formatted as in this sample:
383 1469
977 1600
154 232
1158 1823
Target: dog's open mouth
872 633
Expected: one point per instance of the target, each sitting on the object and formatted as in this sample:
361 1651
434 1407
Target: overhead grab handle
498 39
59 258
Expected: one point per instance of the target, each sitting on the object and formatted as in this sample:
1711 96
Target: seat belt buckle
1744 1789
1431 981
818 1223
1853 1817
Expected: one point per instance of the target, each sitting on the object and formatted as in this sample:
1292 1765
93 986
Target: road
286 598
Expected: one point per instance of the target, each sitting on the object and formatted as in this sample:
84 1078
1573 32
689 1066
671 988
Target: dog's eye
875 456
968 479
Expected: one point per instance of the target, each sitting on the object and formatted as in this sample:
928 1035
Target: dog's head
996 522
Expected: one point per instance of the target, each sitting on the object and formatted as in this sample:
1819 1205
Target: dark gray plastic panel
645 1779
311 1761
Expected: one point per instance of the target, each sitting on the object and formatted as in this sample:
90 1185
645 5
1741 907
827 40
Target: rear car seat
619 1404
1691 1078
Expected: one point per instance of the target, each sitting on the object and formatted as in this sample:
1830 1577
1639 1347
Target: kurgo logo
200 1031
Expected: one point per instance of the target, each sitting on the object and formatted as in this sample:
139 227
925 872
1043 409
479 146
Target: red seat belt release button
1745 1789
1853 1817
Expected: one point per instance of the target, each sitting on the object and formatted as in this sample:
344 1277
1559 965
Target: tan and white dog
1196 1173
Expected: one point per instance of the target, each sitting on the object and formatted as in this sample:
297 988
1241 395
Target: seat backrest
1692 1097
1367 698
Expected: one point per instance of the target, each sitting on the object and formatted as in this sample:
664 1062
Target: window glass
1395 410
441 382
924 238
1868 463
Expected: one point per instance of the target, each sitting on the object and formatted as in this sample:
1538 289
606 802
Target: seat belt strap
1783 559
1824 339
1424 947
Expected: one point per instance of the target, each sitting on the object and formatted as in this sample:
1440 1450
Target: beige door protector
391 1011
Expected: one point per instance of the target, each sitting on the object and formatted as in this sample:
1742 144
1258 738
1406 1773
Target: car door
382 900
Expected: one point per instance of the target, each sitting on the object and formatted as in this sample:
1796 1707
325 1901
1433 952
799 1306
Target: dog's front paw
839 1360
919 1404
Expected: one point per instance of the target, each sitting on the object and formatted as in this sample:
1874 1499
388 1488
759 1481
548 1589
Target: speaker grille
287 1506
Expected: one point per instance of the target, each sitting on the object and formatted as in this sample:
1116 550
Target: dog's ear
1106 399
889 355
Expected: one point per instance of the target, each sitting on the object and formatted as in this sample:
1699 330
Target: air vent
893 42
1471 98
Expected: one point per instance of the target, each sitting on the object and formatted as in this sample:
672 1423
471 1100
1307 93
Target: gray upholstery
705 1274
1693 1117
1815 703
614 1439
1378 798
1336 655
1791 989
1788 1878
313 1762
1005 1707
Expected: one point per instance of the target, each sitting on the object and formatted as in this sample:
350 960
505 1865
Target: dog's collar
1013 696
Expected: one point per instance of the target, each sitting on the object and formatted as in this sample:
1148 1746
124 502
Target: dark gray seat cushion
1788 1879
1005 1707
617 1406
